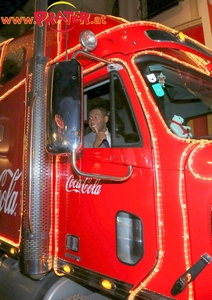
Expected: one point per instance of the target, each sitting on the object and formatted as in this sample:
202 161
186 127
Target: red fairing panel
11 148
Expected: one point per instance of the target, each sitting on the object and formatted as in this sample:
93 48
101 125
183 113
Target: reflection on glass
129 238
180 93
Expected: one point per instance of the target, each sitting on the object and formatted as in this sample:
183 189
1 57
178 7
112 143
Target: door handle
100 176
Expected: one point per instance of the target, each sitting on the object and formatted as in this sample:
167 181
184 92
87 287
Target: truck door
108 227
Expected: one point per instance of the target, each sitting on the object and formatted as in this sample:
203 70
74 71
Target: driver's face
97 120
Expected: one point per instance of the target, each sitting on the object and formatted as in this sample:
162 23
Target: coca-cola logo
9 196
87 186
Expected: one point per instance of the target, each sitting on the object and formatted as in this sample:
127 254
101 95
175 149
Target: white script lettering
8 197
83 186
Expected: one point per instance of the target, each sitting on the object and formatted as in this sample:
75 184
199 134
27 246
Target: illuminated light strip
159 195
59 37
169 57
6 42
56 218
181 179
4 47
183 205
9 242
12 89
62 56
138 24
153 25
159 206
113 29
199 61
203 144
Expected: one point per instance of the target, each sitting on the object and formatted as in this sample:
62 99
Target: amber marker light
181 37
67 269
12 251
108 285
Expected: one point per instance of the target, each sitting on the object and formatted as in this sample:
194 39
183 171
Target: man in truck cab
99 137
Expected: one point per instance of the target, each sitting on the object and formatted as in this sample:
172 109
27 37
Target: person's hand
100 137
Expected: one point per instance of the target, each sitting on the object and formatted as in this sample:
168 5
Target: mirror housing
64 108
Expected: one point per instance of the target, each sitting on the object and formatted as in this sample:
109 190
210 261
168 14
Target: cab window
182 94
122 123
12 64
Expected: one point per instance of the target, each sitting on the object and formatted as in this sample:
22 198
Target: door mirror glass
64 111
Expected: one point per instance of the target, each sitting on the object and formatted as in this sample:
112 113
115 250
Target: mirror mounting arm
91 56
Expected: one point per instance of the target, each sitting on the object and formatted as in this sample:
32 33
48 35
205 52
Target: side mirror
65 115
64 108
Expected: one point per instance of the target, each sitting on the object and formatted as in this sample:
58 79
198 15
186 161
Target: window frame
110 78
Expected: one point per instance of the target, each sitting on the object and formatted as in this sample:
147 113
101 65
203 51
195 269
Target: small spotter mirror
64 111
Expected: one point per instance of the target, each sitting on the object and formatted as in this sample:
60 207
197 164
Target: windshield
183 95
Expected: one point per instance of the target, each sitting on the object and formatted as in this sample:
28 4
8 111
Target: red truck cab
132 221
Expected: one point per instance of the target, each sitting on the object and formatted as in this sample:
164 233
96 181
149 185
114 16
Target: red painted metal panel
11 151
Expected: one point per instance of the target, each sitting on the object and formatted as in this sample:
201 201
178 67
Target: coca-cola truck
132 221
